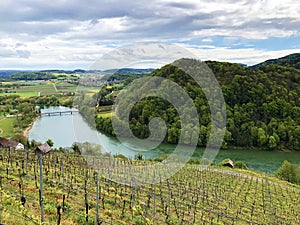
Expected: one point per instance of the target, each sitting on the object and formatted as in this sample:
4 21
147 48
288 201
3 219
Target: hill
263 106
292 60
7 73
73 193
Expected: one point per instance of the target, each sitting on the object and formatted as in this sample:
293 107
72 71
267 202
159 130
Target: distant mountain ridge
7 73
292 61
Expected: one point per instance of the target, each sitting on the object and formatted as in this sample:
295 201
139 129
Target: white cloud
249 56
69 34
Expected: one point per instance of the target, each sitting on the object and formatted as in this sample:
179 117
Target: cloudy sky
71 34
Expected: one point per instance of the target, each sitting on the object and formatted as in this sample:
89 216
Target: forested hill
292 60
263 106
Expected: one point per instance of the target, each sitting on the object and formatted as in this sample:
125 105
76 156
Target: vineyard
77 190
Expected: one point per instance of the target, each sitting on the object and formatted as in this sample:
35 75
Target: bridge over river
59 113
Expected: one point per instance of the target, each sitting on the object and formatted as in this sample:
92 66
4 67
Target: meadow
6 127
40 88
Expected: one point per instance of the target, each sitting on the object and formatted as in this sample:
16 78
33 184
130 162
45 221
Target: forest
262 105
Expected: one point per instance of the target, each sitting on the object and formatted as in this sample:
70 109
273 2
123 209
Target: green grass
36 88
105 114
104 111
6 127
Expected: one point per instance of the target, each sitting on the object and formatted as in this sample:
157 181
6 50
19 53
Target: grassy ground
104 111
48 88
104 114
6 127
190 196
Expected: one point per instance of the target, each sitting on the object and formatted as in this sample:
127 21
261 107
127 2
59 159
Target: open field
47 88
29 91
6 127
104 111
104 114
191 196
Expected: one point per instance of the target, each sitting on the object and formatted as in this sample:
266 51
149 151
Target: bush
193 161
240 165
289 172
205 161
138 156
161 158
120 156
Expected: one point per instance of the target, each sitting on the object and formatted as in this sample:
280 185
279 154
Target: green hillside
263 106
191 196
292 60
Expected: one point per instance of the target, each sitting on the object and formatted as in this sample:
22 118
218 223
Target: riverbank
26 131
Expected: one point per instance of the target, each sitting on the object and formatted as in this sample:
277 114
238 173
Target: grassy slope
191 196
6 127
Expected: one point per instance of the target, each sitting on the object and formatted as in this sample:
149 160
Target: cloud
146 55
249 56
78 33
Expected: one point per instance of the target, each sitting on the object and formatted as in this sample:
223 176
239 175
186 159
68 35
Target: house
6 143
43 149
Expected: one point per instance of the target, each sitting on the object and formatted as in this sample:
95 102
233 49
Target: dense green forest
32 76
262 105
292 60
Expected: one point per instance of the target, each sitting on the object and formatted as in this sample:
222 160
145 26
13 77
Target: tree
262 138
50 142
282 132
20 138
240 165
272 142
76 149
289 172
138 156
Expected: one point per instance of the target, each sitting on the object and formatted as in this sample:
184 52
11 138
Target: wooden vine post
97 198
41 186
26 163
86 198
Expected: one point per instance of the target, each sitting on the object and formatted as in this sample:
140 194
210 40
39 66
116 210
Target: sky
73 34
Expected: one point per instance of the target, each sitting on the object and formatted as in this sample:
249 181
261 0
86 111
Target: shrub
120 156
205 161
193 161
289 172
240 165
161 158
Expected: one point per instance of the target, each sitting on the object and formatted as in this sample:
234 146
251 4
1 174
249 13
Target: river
66 129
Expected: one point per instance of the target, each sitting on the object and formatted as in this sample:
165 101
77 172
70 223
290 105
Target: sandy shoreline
26 131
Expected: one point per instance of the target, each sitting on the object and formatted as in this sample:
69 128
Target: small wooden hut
43 149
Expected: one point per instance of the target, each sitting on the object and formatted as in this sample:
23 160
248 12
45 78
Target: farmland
74 192
40 88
